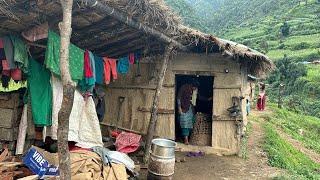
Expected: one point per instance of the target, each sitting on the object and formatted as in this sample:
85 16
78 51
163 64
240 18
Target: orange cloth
110 67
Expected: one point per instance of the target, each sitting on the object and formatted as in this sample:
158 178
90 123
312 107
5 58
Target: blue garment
187 119
98 62
123 65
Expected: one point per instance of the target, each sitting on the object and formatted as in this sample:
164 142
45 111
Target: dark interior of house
205 91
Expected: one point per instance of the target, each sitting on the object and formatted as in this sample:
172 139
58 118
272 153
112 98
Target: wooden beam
104 8
121 36
122 45
155 104
99 41
92 30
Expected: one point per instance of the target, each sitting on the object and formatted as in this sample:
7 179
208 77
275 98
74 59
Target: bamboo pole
130 22
154 108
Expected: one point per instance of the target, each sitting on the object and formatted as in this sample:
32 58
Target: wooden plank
224 135
4 154
160 111
222 100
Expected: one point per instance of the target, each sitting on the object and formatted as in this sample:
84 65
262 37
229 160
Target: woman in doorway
261 103
186 109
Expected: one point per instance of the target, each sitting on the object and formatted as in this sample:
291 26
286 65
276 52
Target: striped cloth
186 119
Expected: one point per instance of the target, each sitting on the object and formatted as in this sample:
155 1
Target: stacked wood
11 167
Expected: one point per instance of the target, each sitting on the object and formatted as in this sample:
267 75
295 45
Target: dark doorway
203 104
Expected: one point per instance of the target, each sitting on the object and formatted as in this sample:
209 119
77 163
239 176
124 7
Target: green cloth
20 53
52 61
40 92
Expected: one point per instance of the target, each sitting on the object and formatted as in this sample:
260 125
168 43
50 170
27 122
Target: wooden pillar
154 109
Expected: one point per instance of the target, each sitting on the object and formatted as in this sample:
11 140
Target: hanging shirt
123 65
8 49
131 58
92 64
88 82
99 68
52 61
20 53
40 93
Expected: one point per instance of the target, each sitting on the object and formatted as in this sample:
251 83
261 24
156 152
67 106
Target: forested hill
258 23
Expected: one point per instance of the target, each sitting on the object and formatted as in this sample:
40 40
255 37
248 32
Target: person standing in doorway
186 109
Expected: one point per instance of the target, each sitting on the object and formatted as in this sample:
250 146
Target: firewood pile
11 167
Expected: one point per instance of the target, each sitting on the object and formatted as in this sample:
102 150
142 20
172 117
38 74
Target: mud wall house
117 28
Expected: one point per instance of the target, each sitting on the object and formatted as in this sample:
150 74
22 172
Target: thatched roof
105 35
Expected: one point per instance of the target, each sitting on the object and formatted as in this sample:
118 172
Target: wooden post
68 91
154 109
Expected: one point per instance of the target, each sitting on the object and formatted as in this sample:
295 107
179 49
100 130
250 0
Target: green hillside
302 43
274 27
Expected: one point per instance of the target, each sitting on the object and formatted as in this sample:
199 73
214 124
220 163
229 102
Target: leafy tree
285 29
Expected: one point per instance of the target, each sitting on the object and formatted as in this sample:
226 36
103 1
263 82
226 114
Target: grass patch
283 155
305 129
244 142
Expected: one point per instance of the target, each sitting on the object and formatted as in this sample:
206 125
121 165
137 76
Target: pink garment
131 58
87 67
110 67
127 142
5 65
36 33
16 74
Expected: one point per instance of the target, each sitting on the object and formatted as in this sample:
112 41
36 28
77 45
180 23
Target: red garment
261 103
127 142
5 65
110 67
16 74
131 58
87 67
1 43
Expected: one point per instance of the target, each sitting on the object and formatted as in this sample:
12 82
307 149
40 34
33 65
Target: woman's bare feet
186 140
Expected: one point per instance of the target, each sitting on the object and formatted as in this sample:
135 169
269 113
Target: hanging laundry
131 58
36 33
84 126
87 84
87 66
9 50
13 86
52 60
92 64
2 52
20 53
123 65
16 74
137 57
99 68
57 91
40 93
110 67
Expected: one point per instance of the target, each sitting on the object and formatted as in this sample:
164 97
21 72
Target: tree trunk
68 91
154 109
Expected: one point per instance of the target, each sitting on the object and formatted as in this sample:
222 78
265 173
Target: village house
115 29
